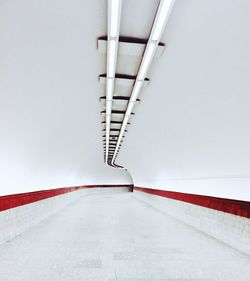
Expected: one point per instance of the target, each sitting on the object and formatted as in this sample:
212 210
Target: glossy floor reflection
116 237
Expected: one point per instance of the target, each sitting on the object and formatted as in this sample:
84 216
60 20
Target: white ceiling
193 121
49 91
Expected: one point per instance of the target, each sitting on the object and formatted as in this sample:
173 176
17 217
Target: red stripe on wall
235 207
15 200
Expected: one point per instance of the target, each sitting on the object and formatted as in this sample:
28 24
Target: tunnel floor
116 237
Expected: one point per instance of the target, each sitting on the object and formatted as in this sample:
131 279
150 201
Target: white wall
191 132
50 131
230 229
17 220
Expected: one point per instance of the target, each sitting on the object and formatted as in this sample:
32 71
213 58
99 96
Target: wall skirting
16 200
235 207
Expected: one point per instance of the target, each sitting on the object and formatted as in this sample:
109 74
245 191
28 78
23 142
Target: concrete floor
115 237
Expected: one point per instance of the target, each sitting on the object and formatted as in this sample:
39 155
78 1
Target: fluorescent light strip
146 60
114 18
129 109
136 90
161 20
108 110
109 89
114 15
162 16
119 139
108 118
109 95
123 128
111 61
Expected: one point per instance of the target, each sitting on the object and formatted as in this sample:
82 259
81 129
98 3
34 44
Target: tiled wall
14 221
21 211
234 230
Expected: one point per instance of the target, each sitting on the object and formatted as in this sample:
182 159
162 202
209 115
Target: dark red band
235 207
15 200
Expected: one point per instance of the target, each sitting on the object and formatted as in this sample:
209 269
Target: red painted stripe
15 200
235 207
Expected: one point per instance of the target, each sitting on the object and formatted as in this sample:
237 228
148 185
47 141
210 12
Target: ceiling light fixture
114 15
136 90
111 60
162 16
109 89
129 109
114 19
146 60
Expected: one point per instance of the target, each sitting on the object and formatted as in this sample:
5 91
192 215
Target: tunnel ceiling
127 60
191 119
